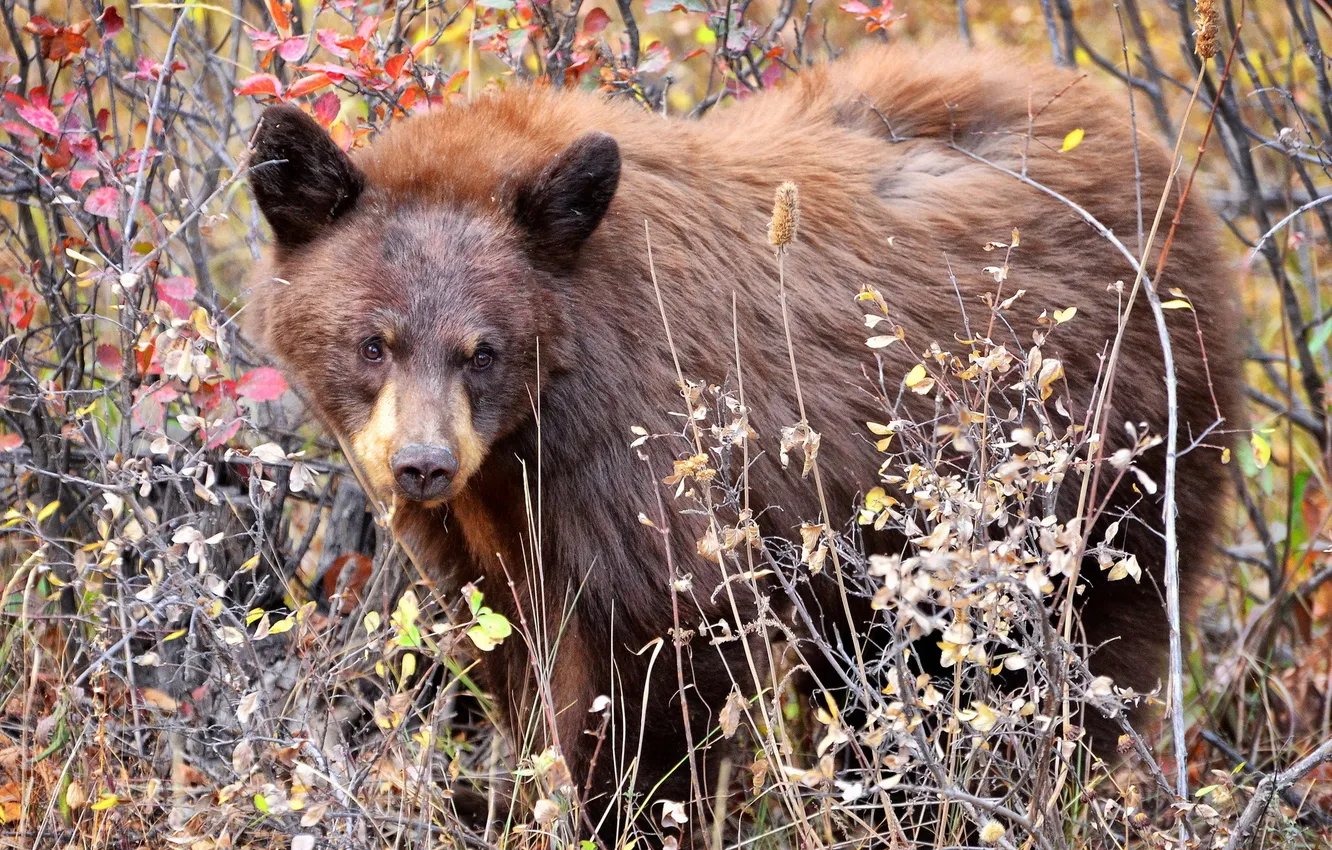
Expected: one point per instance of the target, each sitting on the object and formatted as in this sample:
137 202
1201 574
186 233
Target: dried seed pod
1208 23
785 216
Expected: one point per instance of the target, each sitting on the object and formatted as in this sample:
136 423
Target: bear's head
420 330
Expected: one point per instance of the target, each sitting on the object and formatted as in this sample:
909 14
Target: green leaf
657 6
410 636
495 625
490 630
1318 339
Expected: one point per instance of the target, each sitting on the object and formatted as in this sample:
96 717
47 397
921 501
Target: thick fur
444 246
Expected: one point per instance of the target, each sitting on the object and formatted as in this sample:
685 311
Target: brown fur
432 246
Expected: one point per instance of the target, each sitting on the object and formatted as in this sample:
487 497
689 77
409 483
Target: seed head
1208 24
785 216
992 832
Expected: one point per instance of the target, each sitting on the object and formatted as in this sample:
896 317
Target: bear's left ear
562 207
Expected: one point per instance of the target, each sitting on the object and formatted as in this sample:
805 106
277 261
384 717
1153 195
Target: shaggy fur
467 227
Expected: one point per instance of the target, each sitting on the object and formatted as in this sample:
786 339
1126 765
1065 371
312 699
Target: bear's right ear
302 180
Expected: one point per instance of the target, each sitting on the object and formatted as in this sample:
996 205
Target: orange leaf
259 84
306 85
393 67
279 15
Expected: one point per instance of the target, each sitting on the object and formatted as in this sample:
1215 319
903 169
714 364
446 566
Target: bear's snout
424 473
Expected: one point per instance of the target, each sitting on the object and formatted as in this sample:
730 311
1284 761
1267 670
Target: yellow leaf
371 622
1072 140
880 430
108 801
876 499
1061 316
281 626
1262 450
48 510
916 375
408 665
250 563
179 633
1177 304
83 258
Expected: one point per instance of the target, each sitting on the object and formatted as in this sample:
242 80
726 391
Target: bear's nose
424 473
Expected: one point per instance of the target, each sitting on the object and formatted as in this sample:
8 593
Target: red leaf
103 202
177 292
20 306
108 357
328 39
855 7
327 107
9 442
112 23
262 384
307 85
292 49
40 25
367 27
80 176
150 406
336 73
18 130
259 84
216 435
263 41
37 112
596 21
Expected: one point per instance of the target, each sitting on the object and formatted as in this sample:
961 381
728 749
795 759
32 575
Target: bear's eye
482 359
373 349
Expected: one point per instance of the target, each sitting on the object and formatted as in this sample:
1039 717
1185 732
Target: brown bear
468 303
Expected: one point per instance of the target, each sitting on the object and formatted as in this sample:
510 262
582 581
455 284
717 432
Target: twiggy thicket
211 639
